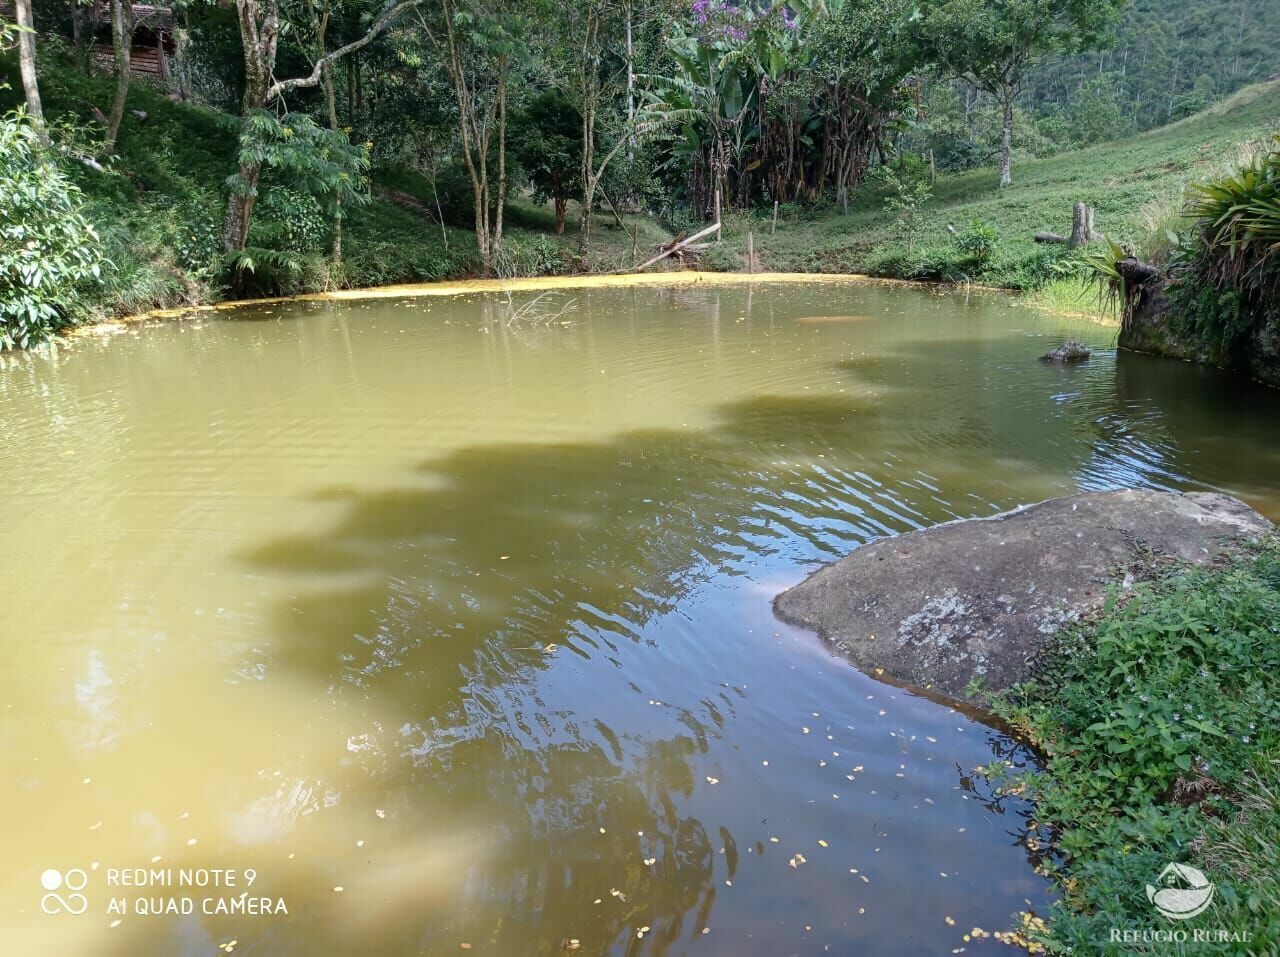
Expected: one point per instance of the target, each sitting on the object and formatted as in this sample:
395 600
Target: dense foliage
1167 62
1161 729
1228 268
293 147
49 252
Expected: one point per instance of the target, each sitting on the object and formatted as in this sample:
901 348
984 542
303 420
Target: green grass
1160 726
1135 185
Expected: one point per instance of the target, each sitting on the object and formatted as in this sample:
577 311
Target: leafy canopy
991 42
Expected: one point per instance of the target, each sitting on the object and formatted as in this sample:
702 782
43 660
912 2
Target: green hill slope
1136 186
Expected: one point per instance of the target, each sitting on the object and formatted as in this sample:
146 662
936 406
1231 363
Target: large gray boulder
980 598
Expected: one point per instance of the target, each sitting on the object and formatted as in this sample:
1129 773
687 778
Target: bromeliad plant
1104 269
1229 266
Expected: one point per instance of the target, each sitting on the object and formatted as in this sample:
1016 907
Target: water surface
462 606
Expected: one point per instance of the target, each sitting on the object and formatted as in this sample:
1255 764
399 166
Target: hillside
1167 60
1135 184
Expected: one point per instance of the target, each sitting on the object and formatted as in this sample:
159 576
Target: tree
480 44
589 29
548 143
122 23
316 161
861 55
27 68
318 16
82 17
992 43
259 25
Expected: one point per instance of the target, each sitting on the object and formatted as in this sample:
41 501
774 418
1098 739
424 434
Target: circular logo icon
1186 892
72 902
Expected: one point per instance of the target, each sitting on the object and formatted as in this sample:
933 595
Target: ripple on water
469 615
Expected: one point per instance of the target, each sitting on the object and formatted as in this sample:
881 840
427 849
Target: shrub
1152 721
288 220
978 244
906 190
48 249
532 255
928 264
719 258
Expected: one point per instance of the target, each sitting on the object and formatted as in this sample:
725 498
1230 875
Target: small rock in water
1073 350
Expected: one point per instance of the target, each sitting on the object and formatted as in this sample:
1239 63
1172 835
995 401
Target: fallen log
1135 271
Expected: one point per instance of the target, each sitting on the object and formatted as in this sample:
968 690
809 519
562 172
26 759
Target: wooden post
751 253
161 60
774 228
1081 224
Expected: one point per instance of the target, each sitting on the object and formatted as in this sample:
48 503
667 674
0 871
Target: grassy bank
1160 724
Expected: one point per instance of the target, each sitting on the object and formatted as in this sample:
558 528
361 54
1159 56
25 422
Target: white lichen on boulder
982 598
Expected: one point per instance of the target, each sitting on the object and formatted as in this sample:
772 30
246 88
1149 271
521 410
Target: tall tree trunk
338 216
240 207
561 203
1006 138
589 96
588 177
122 41
351 91
81 34
27 67
495 241
182 59
631 89
320 25
259 31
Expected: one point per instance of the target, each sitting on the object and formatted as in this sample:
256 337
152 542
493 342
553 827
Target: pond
449 617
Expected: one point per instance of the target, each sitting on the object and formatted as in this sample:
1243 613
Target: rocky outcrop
980 599
1073 350
1150 328
1147 327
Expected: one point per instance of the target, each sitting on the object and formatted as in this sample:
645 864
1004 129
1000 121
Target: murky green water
468 615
